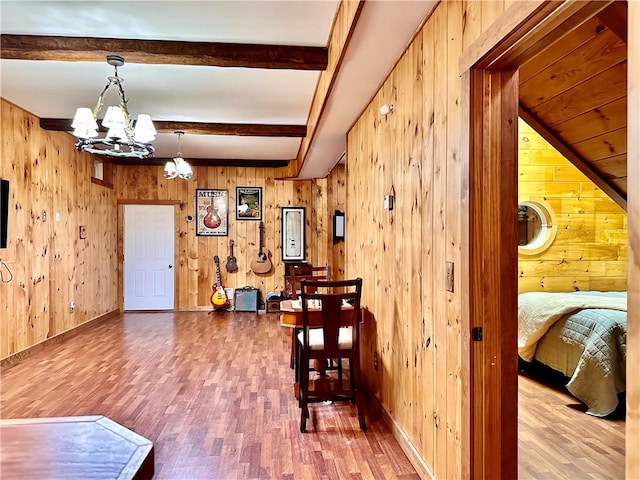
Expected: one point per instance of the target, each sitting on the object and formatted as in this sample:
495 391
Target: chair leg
293 348
303 391
355 382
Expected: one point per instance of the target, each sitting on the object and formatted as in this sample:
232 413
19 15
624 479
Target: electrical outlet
72 304
44 216
375 360
449 277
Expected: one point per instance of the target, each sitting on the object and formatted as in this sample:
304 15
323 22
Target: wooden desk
89 447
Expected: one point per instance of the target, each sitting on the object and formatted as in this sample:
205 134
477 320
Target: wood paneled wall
52 266
412 323
51 195
590 249
195 269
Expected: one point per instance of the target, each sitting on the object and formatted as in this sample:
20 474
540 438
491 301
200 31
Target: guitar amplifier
246 299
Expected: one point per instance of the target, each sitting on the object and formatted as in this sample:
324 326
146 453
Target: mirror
537 226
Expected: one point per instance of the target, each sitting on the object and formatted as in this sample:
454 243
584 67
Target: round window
537 226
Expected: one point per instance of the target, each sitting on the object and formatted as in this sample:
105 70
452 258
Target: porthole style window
537 226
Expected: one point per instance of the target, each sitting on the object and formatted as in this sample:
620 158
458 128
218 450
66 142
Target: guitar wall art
212 208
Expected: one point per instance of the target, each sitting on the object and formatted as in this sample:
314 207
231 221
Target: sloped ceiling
574 94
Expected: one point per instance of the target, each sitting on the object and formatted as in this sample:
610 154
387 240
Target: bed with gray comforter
581 334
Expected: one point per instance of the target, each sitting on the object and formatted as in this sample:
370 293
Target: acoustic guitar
231 264
261 263
219 298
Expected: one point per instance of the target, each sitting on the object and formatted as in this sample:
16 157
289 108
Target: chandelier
124 138
178 167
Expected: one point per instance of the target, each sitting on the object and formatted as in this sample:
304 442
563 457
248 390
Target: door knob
170 266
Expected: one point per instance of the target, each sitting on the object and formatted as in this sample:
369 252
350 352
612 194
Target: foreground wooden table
90 447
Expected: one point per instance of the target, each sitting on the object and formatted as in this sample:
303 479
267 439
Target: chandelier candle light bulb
123 139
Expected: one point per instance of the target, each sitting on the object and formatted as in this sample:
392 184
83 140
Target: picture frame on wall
212 212
248 203
293 233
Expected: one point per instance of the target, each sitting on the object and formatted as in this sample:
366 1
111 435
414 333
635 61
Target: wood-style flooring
214 393
557 439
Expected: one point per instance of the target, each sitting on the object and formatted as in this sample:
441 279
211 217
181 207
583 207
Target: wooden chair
336 335
297 273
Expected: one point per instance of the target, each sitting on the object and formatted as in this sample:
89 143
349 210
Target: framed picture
248 203
338 225
293 239
212 207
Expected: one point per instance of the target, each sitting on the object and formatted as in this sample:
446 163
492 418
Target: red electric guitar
219 297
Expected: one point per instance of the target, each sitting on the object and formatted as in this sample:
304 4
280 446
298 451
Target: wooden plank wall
51 266
195 269
412 324
590 250
51 195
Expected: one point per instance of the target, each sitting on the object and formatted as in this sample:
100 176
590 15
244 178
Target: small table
87 447
291 317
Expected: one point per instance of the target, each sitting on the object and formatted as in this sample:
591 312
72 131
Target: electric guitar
212 219
219 297
231 264
261 263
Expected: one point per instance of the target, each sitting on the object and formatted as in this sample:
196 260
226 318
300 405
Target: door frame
120 241
489 155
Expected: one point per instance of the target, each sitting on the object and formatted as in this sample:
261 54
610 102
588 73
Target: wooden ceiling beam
615 18
196 128
199 162
163 52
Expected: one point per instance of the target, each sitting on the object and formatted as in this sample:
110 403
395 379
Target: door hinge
476 334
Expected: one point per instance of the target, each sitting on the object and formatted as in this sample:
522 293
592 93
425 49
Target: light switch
449 277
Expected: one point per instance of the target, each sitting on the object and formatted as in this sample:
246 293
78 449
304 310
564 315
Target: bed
582 335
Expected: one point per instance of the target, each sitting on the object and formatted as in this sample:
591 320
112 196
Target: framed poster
248 203
212 207
293 239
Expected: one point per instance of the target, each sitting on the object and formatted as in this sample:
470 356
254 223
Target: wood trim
163 52
574 158
492 222
422 469
328 78
12 360
196 128
632 450
201 162
525 29
496 37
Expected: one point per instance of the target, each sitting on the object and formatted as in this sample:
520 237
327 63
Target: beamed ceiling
238 77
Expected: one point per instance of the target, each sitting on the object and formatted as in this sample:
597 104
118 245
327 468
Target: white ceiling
53 89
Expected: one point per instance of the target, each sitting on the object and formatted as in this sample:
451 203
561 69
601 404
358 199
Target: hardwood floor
214 393
557 440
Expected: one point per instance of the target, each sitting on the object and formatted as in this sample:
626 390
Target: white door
148 257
